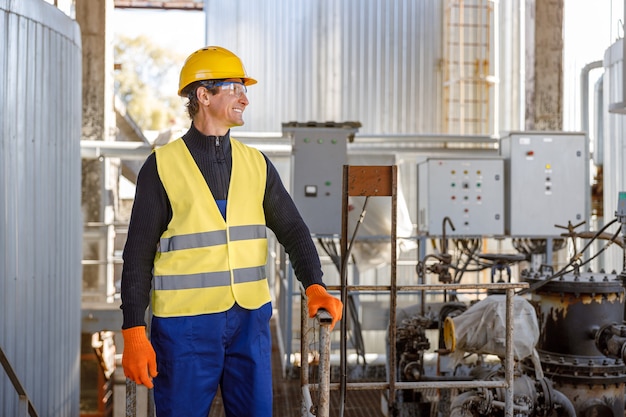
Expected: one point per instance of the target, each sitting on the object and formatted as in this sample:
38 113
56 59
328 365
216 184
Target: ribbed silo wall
614 145
40 215
373 61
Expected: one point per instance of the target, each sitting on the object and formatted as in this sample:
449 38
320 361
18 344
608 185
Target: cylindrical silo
40 214
614 147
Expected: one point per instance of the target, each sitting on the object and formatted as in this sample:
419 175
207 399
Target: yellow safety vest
204 263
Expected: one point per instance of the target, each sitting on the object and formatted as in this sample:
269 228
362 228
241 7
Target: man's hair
190 92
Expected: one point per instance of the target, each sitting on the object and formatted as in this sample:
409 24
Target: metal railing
131 400
381 181
26 407
321 407
392 385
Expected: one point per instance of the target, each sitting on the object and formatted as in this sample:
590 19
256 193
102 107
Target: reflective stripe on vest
205 264
196 240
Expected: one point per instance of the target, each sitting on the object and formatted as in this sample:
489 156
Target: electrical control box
547 182
319 152
470 192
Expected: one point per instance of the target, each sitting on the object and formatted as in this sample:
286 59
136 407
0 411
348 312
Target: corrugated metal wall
379 62
40 217
372 61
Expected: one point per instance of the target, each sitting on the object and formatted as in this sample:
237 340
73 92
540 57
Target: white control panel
470 192
319 154
547 182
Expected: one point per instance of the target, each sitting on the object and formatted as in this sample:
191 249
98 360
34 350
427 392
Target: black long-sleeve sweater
152 212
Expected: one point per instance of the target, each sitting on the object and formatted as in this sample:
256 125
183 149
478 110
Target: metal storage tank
614 148
389 65
40 214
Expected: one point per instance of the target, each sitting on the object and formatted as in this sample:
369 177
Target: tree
147 82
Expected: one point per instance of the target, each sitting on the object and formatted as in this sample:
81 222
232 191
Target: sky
590 27
178 29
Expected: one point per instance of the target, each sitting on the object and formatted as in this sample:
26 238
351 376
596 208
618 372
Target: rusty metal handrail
131 400
508 360
26 407
369 181
309 408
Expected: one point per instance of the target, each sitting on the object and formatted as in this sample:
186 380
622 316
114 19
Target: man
197 234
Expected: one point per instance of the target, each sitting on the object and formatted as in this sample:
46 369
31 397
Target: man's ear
203 95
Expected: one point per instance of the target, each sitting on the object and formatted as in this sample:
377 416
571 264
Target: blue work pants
196 354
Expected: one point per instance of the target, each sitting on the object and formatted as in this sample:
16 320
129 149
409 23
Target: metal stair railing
320 407
371 181
131 400
392 385
26 407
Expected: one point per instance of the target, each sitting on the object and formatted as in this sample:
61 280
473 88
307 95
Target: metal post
549 251
323 407
151 407
368 181
393 296
306 403
23 406
509 359
308 407
131 398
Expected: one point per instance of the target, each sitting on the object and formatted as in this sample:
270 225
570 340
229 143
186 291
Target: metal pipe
420 385
559 398
584 94
94 149
509 359
276 144
459 404
458 287
519 408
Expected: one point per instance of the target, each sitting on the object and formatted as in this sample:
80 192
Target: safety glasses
234 88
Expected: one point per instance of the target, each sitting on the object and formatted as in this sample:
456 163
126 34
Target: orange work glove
318 298
138 358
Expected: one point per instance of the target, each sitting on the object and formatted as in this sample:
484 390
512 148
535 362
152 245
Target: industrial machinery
569 338
574 353
568 330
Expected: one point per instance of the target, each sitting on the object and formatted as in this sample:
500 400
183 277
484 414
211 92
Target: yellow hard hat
212 63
